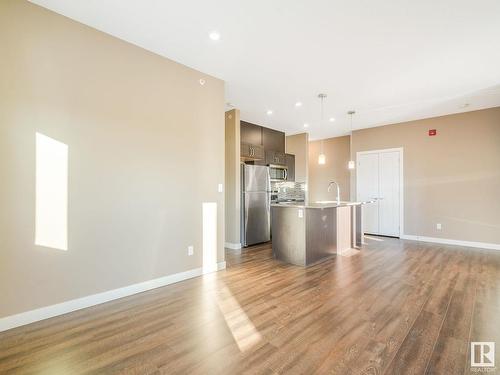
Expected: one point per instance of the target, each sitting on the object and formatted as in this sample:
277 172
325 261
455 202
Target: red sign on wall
432 132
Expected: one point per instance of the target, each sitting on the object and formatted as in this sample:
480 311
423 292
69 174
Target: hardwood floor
397 307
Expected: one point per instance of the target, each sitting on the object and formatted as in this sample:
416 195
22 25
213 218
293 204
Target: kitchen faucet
338 190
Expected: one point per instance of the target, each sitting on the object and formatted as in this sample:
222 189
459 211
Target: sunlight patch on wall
209 237
51 223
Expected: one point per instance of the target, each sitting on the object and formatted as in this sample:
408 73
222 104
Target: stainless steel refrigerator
255 204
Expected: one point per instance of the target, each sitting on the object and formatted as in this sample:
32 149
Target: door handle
286 174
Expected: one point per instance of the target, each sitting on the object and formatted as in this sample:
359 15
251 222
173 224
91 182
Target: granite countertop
319 204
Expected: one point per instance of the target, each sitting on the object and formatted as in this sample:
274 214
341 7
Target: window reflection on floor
243 330
373 238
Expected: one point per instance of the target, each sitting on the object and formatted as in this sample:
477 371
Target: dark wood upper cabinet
261 145
290 165
252 152
273 140
250 133
275 157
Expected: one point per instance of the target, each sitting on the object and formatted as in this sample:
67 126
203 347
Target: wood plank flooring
397 307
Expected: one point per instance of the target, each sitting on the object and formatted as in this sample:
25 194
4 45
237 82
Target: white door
379 178
367 183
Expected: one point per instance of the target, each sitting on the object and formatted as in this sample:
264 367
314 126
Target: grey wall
146 149
335 168
452 178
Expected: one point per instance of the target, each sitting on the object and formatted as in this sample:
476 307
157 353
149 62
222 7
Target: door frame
401 181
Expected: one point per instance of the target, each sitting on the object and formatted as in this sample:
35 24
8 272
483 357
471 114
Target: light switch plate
190 250
301 213
438 226
219 188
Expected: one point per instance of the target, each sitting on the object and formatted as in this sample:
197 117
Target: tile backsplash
289 190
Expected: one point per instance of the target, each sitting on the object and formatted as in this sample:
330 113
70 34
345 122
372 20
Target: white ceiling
390 60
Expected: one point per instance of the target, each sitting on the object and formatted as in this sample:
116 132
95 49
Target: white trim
381 150
480 245
46 312
232 246
409 237
401 182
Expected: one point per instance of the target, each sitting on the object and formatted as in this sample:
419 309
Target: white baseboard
51 311
408 237
480 245
232 246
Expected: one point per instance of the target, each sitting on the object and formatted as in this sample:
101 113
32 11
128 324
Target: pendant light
322 156
351 164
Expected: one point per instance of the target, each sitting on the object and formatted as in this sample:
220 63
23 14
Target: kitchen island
303 234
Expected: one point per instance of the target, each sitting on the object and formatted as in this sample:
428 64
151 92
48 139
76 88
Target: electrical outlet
438 226
219 188
301 213
190 250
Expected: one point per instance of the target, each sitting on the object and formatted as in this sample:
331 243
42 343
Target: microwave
278 172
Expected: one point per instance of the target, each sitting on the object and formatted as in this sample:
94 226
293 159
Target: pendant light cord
321 120
322 97
350 139
351 113
321 157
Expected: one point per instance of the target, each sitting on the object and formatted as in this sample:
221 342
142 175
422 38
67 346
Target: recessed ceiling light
214 35
269 112
332 119
298 104
306 125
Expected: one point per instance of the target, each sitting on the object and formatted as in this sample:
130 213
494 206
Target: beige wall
232 176
146 149
452 178
298 145
335 169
